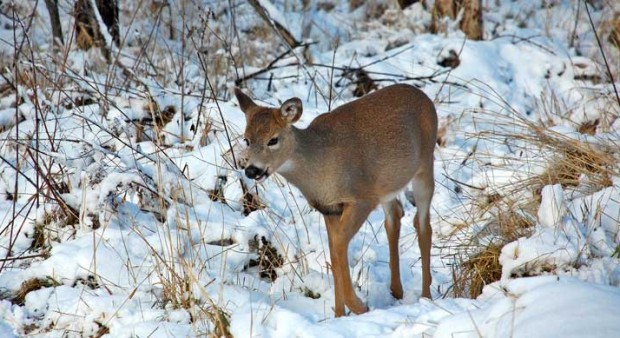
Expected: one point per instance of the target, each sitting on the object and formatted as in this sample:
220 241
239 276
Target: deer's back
382 138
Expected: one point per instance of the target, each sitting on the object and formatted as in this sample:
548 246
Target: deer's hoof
358 307
397 292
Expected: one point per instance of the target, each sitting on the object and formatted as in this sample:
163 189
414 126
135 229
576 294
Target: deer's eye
273 141
247 143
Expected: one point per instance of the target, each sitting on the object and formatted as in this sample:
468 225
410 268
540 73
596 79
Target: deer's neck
304 167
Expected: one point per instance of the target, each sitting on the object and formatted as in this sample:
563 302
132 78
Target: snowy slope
116 224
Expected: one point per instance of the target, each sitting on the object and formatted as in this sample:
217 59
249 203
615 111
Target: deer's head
268 136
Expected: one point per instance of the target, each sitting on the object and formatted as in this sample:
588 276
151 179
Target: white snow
539 307
552 208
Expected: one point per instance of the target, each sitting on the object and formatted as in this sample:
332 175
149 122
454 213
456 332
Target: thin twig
219 109
600 47
331 80
270 66
12 259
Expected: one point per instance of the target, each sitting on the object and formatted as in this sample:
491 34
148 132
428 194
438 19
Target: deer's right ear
245 102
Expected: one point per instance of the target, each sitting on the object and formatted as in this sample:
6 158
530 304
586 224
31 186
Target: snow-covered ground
116 224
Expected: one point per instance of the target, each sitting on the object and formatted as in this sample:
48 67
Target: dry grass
180 276
582 162
509 220
578 164
30 285
268 259
101 331
40 242
178 281
221 320
478 264
476 271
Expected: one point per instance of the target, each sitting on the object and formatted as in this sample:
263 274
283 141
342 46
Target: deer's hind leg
423 188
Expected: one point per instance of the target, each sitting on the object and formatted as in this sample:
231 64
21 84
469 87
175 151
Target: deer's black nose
253 172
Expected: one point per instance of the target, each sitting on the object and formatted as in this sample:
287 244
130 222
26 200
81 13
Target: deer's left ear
291 110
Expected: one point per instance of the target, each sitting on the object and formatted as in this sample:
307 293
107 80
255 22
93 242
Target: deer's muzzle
254 173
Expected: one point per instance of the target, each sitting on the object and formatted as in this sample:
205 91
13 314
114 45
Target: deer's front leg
331 222
340 234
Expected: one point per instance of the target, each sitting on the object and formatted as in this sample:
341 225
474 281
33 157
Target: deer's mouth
256 173
262 177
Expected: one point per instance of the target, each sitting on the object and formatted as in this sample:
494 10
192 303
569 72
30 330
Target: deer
348 161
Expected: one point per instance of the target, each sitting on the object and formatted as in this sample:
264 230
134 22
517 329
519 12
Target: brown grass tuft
221 321
251 201
268 259
39 240
583 166
101 331
506 219
31 285
476 271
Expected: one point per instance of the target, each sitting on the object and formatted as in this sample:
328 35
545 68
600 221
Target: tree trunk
441 9
109 13
87 27
614 35
52 8
286 35
406 3
447 8
471 21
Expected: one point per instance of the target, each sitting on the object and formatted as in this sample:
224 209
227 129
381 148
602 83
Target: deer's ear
245 102
291 110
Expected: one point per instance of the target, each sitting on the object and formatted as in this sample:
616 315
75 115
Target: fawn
348 161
